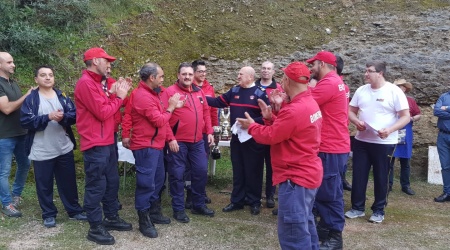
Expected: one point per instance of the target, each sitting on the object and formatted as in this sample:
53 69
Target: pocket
328 189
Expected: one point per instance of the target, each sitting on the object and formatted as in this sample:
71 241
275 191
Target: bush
62 14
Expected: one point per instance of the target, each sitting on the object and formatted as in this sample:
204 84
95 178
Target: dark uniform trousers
330 196
62 168
149 176
194 154
247 160
365 156
102 183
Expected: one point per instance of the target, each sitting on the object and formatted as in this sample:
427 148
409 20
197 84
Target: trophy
225 124
215 151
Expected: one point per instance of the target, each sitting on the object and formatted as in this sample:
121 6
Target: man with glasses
377 109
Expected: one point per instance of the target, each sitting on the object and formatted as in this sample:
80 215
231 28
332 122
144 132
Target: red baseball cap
324 56
97 53
296 70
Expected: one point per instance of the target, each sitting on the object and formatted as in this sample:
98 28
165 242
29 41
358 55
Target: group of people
298 129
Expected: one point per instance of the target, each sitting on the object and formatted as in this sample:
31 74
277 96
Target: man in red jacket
330 95
200 81
95 124
186 143
294 136
150 129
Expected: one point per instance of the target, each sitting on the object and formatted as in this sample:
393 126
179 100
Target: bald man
247 158
12 138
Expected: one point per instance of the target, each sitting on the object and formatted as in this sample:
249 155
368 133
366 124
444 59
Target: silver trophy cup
225 113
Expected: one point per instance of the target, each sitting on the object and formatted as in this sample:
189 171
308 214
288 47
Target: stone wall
415 46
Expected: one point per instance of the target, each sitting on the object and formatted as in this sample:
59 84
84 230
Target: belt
445 132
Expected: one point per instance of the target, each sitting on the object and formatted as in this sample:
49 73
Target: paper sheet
242 134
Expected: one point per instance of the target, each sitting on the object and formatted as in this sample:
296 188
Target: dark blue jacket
30 120
443 115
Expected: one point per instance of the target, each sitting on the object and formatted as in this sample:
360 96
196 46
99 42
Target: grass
412 222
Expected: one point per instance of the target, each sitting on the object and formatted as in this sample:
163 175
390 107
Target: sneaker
11 211
80 216
16 201
376 218
354 214
50 222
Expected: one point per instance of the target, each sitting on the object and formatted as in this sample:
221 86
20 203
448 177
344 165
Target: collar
96 77
146 87
272 85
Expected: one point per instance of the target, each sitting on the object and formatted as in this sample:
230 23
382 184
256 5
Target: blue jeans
296 227
443 147
8 147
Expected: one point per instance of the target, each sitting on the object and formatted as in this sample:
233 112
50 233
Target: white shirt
378 109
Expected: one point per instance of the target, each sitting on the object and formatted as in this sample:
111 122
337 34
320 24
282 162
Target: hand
266 111
444 107
276 99
173 102
360 125
126 142
245 123
122 88
173 145
30 89
383 133
211 140
112 90
56 115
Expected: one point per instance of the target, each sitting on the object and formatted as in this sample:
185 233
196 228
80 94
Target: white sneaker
376 218
354 214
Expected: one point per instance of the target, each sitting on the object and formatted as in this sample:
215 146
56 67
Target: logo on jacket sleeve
236 97
316 116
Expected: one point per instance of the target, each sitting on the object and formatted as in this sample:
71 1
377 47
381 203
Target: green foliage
62 14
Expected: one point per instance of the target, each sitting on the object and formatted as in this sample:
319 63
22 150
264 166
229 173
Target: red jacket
331 95
95 112
149 118
294 136
187 122
208 90
118 115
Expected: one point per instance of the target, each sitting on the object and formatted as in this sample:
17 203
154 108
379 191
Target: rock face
415 46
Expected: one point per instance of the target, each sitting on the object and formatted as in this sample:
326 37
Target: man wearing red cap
95 124
294 136
330 95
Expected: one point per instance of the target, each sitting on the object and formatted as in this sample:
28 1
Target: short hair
339 65
88 63
380 66
196 63
36 71
149 69
184 65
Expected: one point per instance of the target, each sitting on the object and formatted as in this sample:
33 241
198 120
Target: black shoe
231 207
334 241
146 226
270 202
322 232
275 211
442 198
390 188
408 190
207 200
100 235
188 203
117 223
347 186
180 216
155 214
255 209
203 211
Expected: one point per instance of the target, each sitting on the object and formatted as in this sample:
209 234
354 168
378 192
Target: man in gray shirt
12 138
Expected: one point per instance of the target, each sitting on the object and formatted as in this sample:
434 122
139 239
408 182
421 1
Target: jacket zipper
196 117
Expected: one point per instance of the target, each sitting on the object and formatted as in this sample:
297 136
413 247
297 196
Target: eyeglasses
201 71
371 71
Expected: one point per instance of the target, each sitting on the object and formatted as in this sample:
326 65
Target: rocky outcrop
415 46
